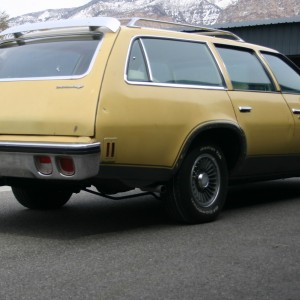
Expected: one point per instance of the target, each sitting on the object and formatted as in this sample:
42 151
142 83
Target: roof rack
151 23
112 25
109 24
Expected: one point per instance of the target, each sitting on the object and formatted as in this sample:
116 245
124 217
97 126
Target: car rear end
50 81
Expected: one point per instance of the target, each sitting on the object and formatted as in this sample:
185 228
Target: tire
41 198
197 193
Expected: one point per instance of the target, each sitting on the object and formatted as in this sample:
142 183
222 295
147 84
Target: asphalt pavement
102 249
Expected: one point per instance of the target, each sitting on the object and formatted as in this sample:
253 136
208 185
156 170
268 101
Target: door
288 76
261 111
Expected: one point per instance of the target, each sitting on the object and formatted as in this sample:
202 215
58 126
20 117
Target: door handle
296 111
245 109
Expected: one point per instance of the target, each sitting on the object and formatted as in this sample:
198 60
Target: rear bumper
18 159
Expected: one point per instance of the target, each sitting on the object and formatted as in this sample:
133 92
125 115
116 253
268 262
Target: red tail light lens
66 166
44 165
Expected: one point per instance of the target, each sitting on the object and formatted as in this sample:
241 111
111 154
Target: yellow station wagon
169 108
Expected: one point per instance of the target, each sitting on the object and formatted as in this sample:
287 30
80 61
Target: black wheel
197 192
41 198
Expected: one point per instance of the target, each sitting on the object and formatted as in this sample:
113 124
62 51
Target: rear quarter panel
149 124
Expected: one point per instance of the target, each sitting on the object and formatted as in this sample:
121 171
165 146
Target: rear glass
51 58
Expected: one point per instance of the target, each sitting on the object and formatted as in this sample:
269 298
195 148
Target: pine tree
3 20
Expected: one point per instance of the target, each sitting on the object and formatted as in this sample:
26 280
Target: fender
221 132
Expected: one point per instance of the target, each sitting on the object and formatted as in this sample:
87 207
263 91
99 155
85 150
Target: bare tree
3 20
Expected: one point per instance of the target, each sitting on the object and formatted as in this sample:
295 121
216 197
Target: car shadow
87 215
261 193
83 215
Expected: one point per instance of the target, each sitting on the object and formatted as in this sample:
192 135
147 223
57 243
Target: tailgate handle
245 109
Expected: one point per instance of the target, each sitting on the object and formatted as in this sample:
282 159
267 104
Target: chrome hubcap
205 180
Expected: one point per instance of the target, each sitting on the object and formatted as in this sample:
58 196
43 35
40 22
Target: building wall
284 37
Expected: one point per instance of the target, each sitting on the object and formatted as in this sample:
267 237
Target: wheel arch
227 135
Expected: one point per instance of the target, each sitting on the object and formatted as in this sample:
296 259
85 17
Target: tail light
44 164
66 166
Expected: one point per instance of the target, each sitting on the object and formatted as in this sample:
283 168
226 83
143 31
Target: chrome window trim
174 85
152 83
148 66
212 47
74 77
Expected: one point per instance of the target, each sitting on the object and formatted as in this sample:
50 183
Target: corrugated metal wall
284 37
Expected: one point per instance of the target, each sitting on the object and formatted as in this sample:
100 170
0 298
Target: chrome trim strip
148 65
50 145
59 87
64 148
174 85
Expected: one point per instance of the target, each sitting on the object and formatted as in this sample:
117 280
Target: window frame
260 61
173 85
285 59
145 59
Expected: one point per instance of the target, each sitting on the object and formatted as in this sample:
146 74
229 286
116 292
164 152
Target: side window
286 73
136 69
181 62
245 69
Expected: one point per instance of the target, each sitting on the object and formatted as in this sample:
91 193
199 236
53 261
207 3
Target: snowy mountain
223 3
200 12
249 10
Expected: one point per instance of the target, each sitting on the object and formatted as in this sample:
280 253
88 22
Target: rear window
47 58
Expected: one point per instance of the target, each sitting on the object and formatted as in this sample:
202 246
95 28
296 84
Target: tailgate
49 86
50 107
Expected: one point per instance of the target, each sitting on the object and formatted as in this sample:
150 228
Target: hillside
245 10
200 12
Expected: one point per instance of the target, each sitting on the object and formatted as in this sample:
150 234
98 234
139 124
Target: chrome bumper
17 159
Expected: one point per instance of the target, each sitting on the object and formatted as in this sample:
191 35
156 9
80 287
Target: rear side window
137 70
51 58
286 73
174 62
245 69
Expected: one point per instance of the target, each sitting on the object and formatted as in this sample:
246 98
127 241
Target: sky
20 7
